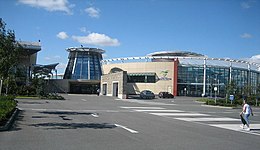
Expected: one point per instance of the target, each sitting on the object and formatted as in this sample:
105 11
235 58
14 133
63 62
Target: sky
132 28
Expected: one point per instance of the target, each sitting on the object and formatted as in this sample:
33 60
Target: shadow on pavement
65 113
75 125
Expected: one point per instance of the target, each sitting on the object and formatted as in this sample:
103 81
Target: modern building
27 60
83 72
26 66
181 73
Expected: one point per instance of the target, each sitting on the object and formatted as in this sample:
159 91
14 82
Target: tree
231 90
9 49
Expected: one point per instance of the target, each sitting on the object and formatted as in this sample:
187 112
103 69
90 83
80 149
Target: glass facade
84 63
191 80
87 66
84 70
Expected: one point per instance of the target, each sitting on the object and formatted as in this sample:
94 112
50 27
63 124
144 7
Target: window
141 78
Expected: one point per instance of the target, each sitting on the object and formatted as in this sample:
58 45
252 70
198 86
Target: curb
11 120
219 107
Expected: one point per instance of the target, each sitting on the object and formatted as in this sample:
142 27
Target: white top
247 109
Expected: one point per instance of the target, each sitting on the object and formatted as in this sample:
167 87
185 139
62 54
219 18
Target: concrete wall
59 85
109 79
164 71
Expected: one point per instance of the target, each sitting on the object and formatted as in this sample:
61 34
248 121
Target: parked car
147 94
165 95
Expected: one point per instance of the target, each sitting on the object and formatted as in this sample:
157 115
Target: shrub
53 96
7 106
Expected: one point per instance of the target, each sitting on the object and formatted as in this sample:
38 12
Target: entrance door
104 89
115 89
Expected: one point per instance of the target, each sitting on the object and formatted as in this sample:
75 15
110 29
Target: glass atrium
84 63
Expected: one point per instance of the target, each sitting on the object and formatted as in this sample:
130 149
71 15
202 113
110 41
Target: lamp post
1 83
215 89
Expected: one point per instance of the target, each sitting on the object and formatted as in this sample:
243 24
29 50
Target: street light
215 89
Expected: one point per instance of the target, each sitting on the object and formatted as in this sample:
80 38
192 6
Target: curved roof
189 59
85 49
176 53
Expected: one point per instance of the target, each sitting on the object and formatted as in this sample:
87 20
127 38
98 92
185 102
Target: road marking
179 114
95 115
208 119
128 129
142 107
236 127
152 103
145 102
84 100
156 110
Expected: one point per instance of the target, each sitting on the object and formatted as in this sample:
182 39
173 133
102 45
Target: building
26 66
181 73
83 71
27 60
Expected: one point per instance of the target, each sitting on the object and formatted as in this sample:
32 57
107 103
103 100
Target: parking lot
99 122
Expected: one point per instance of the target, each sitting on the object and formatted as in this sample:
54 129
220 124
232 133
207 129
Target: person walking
246 111
98 92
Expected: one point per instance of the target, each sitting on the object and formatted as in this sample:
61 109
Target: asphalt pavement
106 123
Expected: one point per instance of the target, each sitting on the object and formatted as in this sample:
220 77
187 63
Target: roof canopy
44 69
176 53
85 49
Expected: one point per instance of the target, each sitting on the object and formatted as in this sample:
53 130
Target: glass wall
190 80
87 66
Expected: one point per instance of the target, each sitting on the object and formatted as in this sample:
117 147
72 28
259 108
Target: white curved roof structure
188 58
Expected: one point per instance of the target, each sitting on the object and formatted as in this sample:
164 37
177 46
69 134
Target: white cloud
49 5
255 59
245 5
57 57
93 12
96 39
61 66
47 58
62 35
246 36
84 30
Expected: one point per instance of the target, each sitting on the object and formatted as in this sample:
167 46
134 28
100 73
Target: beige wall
146 67
110 79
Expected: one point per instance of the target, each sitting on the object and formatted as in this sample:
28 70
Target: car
147 94
165 95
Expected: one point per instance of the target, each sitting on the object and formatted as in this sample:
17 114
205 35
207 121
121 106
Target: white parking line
128 129
84 100
208 119
142 107
95 115
156 110
236 127
179 114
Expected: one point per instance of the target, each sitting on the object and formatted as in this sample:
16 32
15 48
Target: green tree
231 90
9 49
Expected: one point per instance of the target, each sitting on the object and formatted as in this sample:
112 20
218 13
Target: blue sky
125 28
